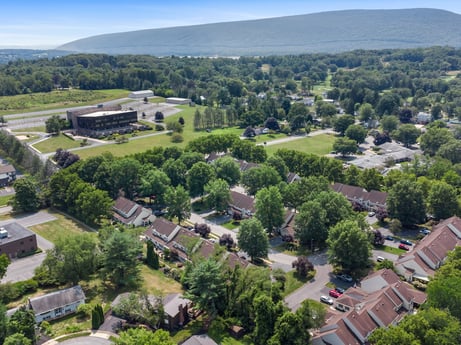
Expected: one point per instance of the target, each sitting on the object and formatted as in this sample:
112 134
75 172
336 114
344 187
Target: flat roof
104 113
15 232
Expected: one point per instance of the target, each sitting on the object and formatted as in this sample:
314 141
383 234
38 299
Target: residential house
176 308
130 213
380 301
423 117
201 339
287 230
431 252
57 304
16 240
292 177
370 201
7 175
242 203
161 233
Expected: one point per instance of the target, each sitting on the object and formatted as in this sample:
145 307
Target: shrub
159 128
177 138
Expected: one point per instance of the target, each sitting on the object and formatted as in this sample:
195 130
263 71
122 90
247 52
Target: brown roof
163 226
242 201
354 192
5 169
234 260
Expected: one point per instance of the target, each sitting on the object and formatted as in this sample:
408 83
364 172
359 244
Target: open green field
319 145
56 99
55 142
4 199
63 225
30 129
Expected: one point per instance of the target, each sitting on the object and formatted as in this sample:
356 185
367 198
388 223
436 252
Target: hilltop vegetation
311 33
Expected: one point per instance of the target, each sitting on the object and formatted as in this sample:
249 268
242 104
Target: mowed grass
56 142
156 283
4 199
56 99
62 226
30 129
320 145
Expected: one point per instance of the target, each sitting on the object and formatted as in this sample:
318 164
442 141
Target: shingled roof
56 299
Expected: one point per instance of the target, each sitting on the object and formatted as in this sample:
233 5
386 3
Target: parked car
326 299
404 246
345 277
424 231
339 289
389 238
371 214
334 293
404 241
379 258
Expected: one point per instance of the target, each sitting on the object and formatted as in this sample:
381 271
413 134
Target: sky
50 23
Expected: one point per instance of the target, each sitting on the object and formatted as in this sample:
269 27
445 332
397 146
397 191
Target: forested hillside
319 32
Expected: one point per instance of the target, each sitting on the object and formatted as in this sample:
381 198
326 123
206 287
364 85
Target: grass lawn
5 198
319 145
70 324
56 99
63 225
55 142
393 250
30 129
293 282
231 225
156 283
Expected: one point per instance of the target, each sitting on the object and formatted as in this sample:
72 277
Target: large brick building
16 240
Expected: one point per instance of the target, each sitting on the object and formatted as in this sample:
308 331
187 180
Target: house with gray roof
130 213
16 240
370 201
57 304
201 339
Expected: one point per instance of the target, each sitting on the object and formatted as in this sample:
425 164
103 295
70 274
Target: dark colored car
389 238
339 289
404 241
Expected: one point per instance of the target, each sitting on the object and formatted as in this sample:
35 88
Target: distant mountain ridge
326 32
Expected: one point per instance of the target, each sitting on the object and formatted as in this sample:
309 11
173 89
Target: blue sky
49 23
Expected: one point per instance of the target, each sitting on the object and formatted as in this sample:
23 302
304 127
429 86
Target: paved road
95 338
316 287
297 137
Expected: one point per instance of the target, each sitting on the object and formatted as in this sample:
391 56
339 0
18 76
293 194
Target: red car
403 246
334 293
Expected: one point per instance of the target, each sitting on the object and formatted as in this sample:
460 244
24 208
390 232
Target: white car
379 259
326 299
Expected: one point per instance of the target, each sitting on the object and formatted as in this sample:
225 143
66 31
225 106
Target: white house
57 304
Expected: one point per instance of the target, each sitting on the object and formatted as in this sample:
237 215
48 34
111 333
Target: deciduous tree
407 134
179 205
141 336
252 238
26 197
406 203
218 194
198 177
269 208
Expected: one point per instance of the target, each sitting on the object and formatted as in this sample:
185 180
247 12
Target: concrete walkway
96 338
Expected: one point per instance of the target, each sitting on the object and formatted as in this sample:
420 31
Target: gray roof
202 339
15 232
172 302
57 299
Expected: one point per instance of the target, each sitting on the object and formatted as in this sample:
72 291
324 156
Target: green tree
406 203
26 197
310 224
407 134
218 194
198 176
442 200
345 146
17 339
54 124
336 206
371 179
73 258
125 175
154 183
257 178
266 314
451 151
366 112
269 208
389 123
119 260
207 287
3 323
176 171
141 336
4 262
434 138
342 123
356 133
179 205
289 330
22 322
349 246
93 205
227 169
252 238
